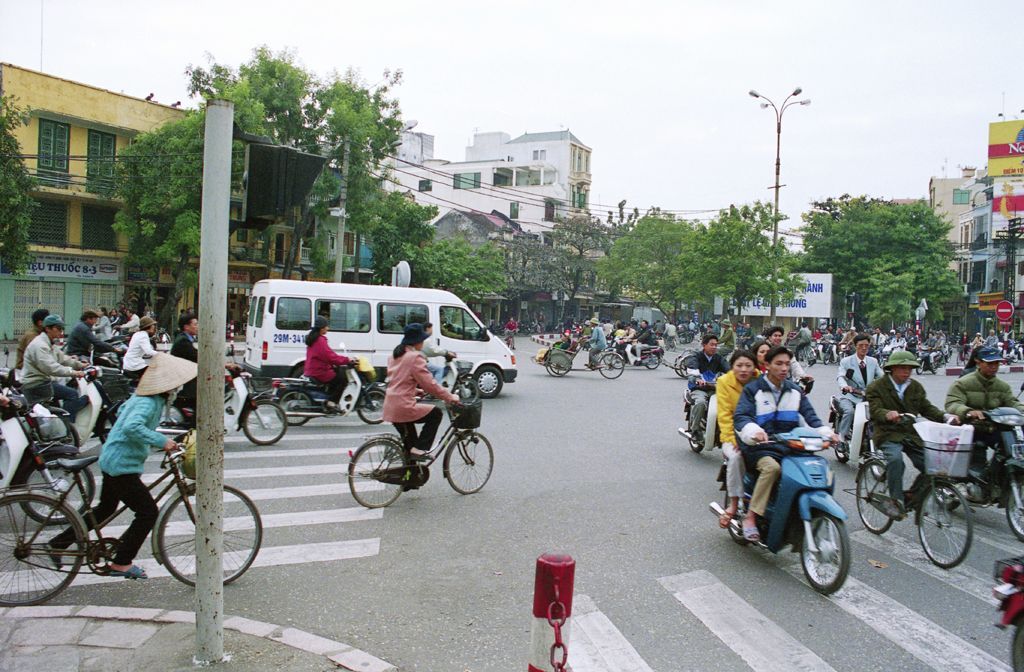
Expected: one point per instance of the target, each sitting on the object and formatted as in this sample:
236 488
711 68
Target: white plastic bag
947 448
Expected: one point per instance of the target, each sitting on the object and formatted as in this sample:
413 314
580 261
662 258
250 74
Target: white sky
901 91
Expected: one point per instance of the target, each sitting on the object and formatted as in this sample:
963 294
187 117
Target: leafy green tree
578 242
528 268
159 177
470 272
869 243
399 229
15 182
647 262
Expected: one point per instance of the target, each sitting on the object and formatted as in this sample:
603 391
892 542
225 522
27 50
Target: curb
544 339
338 653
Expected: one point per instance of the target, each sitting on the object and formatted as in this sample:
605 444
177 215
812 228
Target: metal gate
32 294
95 296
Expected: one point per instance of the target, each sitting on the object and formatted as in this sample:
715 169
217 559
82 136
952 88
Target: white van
366 320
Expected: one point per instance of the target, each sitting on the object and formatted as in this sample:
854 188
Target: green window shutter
60 147
45 144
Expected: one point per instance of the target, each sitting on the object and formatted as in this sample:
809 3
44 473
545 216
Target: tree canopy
470 272
15 182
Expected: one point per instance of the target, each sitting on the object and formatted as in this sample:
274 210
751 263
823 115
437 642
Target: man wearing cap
82 341
598 342
38 316
888 398
140 348
975 393
45 362
123 457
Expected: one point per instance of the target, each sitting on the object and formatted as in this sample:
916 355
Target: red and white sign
1004 311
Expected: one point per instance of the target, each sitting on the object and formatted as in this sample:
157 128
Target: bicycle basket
468 416
947 458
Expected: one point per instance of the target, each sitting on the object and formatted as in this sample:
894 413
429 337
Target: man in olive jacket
975 393
888 398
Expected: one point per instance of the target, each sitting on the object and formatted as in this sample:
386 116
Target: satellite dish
402 275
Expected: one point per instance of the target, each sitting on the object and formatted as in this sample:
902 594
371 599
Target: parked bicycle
31 572
381 469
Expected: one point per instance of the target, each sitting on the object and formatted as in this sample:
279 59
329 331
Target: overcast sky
901 91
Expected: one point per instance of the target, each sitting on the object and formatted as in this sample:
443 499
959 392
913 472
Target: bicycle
32 572
558 362
510 339
381 469
941 513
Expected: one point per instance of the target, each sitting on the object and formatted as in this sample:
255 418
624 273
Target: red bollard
552 607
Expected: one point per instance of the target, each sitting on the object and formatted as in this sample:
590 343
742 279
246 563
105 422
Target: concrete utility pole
213 287
339 260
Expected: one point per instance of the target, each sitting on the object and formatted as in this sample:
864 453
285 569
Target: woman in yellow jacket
743 369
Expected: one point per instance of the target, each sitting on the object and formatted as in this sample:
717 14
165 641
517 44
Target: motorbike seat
78 463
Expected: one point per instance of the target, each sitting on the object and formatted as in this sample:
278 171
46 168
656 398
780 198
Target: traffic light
276 179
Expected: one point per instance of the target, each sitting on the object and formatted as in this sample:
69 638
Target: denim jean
437 371
72 401
895 466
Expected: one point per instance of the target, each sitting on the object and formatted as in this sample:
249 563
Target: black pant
336 385
425 441
129 489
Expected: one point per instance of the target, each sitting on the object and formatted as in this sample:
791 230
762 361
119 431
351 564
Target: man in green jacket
976 393
889 397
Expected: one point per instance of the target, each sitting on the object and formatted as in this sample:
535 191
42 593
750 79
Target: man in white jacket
432 350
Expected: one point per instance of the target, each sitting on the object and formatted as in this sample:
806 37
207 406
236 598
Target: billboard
1007 202
1006 149
814 301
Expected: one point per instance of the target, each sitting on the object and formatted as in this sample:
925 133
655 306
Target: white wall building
532 179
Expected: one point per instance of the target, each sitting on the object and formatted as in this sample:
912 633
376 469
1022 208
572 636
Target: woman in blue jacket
122 457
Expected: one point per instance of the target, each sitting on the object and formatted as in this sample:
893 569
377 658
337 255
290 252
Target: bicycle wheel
42 513
559 366
872 490
944 524
1015 505
611 365
468 462
266 423
679 365
467 390
379 457
371 406
176 535
296 401
28 575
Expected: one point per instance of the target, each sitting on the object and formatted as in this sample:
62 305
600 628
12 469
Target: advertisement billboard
1006 149
1007 202
813 302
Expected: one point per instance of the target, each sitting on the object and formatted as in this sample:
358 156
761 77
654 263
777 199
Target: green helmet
901 358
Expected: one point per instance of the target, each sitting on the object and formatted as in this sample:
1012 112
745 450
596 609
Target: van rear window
392 317
293 314
351 316
252 311
259 312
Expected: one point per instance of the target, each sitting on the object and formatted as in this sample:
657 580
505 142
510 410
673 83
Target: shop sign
239 277
71 266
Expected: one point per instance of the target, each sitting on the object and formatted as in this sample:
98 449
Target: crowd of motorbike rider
759 394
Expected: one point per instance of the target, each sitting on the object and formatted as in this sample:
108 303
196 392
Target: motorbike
1010 594
304 398
802 513
34 440
710 438
931 360
859 435
1001 483
651 359
256 414
458 379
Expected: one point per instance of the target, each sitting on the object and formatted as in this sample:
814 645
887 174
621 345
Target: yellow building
74 135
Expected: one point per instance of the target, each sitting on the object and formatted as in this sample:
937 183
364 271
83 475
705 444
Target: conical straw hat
164 373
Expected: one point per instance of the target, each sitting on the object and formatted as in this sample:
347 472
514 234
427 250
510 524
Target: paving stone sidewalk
118 639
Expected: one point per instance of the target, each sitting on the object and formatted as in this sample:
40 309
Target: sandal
133 572
751 533
725 519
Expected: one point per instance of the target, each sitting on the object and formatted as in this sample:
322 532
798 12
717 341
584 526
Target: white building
532 179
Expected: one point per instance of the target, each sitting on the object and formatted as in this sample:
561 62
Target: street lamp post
779 111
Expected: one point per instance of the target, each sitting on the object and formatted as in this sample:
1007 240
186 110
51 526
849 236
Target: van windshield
457 323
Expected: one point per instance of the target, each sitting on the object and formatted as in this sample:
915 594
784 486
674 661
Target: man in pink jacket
407 371
321 360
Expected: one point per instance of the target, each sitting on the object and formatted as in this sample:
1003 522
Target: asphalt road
593 468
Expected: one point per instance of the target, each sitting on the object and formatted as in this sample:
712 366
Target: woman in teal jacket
131 440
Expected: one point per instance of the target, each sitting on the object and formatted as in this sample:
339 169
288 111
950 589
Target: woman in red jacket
407 371
321 362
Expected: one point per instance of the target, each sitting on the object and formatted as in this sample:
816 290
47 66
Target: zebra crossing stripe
324 490
1015 547
963 578
755 638
596 645
339 467
294 436
273 556
294 519
922 638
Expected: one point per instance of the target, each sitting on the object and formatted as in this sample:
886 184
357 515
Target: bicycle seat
77 464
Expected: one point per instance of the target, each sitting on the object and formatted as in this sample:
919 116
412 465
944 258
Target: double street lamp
779 111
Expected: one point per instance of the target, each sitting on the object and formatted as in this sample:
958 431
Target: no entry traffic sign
1004 311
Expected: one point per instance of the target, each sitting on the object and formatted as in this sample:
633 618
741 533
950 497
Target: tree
159 177
399 228
528 268
648 261
578 242
469 272
867 243
15 204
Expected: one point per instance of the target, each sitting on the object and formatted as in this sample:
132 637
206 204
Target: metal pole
213 284
339 260
775 222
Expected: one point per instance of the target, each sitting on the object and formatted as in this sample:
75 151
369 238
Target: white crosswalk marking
291 435
762 644
926 640
596 645
1010 547
350 514
963 578
341 466
298 491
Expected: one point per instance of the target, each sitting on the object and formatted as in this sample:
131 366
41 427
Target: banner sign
814 301
1006 149
68 266
1007 202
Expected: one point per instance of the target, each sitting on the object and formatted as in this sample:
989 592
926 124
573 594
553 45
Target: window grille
98 228
49 224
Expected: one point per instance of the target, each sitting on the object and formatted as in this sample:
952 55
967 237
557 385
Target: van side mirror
484 335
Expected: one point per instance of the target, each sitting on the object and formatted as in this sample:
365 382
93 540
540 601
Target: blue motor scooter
802 513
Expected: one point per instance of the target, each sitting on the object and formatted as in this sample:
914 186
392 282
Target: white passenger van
366 320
